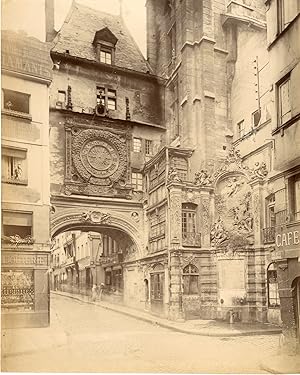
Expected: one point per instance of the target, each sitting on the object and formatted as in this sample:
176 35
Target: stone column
175 236
205 218
176 302
259 252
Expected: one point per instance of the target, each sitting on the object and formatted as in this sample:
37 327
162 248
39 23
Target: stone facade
198 235
26 76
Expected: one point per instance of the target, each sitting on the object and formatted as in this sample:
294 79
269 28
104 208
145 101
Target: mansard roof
78 32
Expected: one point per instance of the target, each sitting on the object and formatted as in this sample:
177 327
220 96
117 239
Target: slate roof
78 31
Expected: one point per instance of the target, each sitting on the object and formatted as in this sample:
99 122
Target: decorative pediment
105 35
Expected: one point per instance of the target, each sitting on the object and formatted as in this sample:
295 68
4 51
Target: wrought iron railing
191 239
269 235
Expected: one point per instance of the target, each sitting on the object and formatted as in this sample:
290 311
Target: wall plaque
231 274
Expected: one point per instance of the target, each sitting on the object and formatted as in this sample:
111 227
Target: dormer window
105 56
105 44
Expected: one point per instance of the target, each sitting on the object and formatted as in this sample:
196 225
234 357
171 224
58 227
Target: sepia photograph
150 195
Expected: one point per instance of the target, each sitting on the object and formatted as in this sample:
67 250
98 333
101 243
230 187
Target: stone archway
95 220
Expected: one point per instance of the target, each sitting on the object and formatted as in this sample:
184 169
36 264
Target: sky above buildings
28 15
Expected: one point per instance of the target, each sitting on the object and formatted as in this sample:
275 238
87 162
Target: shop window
284 100
190 279
14 166
14 101
137 181
273 294
137 145
241 128
16 223
17 290
106 99
148 147
287 11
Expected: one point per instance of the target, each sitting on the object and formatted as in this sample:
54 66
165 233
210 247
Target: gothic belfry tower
193 44
214 107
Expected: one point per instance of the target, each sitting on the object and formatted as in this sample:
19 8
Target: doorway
296 301
157 278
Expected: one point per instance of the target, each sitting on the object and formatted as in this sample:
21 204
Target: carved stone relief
96 217
205 215
202 178
175 215
235 212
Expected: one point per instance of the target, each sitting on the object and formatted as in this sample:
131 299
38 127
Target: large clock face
99 156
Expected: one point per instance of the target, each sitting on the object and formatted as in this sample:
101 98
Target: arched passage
111 240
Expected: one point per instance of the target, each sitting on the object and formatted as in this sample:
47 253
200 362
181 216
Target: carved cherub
259 170
202 178
173 175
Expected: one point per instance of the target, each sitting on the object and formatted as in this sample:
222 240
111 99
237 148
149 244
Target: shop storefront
24 278
287 240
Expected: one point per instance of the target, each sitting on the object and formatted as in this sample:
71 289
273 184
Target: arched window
190 279
273 294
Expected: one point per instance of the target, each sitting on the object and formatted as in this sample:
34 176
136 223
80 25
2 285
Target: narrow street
98 340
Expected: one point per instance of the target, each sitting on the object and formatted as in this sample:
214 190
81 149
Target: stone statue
218 233
260 170
173 175
202 178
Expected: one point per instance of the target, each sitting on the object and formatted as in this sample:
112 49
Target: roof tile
78 31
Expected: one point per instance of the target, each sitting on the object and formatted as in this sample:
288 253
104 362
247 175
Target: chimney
49 16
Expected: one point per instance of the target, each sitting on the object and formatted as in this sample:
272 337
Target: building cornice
111 120
101 66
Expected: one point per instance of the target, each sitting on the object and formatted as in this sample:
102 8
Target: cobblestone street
92 339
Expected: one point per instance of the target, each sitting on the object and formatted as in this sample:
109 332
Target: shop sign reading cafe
288 238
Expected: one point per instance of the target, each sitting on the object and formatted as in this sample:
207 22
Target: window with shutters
16 103
14 166
284 100
294 197
16 223
287 11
